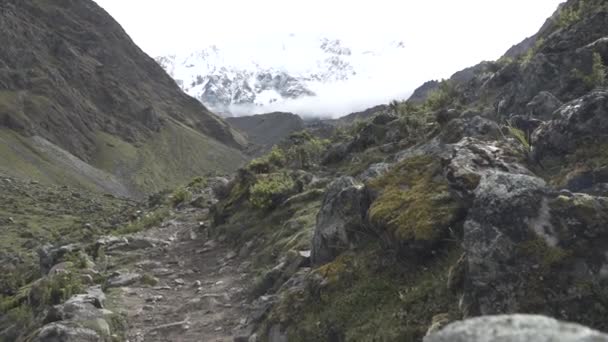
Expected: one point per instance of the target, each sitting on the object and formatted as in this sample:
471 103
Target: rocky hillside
488 197
81 104
470 214
266 130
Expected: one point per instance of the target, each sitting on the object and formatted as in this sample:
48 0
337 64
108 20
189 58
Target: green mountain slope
68 75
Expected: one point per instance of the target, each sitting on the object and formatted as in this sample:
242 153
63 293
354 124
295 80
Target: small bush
147 221
268 191
148 279
598 72
520 136
444 96
529 55
55 289
569 15
180 195
196 184
306 153
269 162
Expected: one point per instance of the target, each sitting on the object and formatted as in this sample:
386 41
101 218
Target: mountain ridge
81 80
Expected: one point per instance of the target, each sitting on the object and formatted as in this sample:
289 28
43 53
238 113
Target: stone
374 171
583 118
121 279
276 334
383 118
515 328
342 213
543 105
49 256
66 332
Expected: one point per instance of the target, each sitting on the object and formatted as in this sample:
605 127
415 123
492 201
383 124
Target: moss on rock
367 295
415 203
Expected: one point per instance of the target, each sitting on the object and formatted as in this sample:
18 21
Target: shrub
598 72
269 190
307 153
147 221
197 183
529 55
55 289
442 97
569 15
180 195
265 164
520 136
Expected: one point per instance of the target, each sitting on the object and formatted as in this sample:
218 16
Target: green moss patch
415 203
588 157
363 296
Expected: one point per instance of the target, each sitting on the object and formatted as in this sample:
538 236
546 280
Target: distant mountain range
268 77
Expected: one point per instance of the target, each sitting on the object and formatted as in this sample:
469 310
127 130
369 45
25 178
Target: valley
475 211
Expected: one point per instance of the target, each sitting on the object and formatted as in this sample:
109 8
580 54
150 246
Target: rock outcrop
342 215
515 328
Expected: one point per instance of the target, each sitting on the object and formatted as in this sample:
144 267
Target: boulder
475 127
573 147
543 105
515 328
383 118
374 171
335 153
50 256
66 332
577 122
121 279
507 211
342 214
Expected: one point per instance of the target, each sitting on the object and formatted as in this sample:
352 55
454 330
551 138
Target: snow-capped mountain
266 77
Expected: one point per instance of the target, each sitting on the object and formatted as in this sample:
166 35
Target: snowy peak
268 77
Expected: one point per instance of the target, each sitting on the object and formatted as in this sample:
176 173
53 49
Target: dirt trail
200 295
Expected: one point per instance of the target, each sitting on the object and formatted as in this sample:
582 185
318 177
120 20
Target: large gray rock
374 171
342 214
578 121
543 105
50 256
515 328
507 210
123 278
66 332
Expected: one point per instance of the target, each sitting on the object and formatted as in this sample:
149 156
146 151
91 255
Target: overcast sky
443 36
480 28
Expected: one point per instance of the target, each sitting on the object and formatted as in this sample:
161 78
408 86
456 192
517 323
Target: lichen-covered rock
342 214
67 332
50 256
543 105
414 208
515 328
475 127
123 278
507 211
576 123
374 171
335 153
573 147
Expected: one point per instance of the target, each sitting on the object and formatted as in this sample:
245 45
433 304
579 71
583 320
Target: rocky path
193 289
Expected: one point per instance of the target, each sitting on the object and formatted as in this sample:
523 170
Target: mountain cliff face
231 83
73 83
